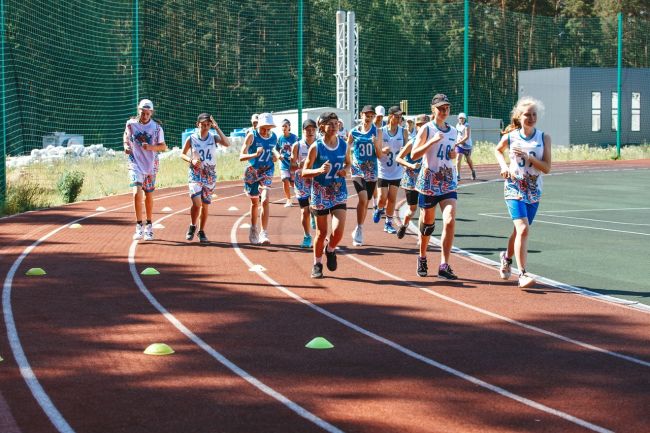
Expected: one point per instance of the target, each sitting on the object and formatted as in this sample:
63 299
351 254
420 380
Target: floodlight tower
347 62
351 64
341 60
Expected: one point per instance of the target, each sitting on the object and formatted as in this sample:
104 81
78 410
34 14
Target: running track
411 354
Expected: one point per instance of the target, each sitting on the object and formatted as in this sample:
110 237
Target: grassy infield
34 186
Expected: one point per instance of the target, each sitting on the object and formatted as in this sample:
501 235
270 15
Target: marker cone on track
319 343
158 226
35 272
150 271
100 208
233 208
167 209
158 349
75 226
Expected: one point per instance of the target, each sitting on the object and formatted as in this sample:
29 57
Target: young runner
327 163
259 151
464 145
394 137
200 150
299 153
283 147
436 183
364 144
143 139
529 152
411 172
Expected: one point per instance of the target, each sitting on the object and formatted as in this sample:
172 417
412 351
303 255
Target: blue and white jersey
410 175
138 134
528 183
302 186
284 147
438 173
389 169
364 157
206 152
328 189
461 132
261 168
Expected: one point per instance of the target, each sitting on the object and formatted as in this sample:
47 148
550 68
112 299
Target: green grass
34 186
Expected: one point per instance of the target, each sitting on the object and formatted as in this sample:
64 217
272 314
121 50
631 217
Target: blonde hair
519 108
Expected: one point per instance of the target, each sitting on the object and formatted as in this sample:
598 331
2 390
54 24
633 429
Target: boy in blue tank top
327 165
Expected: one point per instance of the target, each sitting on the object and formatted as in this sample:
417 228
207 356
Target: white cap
145 104
265 119
254 117
380 110
462 116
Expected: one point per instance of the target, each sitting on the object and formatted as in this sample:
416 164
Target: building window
636 111
595 111
614 111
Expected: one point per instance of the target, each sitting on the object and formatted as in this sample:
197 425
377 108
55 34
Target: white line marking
592 219
25 368
594 210
299 410
540 221
476 381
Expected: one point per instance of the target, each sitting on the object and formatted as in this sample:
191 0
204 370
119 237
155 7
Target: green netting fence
80 66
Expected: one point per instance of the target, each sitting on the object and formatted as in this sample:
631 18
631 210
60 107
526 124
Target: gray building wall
551 87
566 94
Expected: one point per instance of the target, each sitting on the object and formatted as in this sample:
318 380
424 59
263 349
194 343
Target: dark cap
440 99
327 115
307 123
203 117
285 122
422 118
394 110
367 108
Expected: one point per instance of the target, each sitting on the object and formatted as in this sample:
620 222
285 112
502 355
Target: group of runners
379 155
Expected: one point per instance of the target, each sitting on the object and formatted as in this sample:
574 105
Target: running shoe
401 231
317 270
446 273
138 232
423 269
190 232
202 237
526 280
388 228
331 260
288 203
357 236
506 266
306 242
473 175
376 215
148 232
264 238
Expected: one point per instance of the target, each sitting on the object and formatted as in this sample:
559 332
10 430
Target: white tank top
303 151
528 185
437 156
461 130
206 149
389 169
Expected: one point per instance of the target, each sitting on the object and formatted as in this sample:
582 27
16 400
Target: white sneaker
288 203
357 236
253 236
526 280
148 232
264 238
505 268
138 232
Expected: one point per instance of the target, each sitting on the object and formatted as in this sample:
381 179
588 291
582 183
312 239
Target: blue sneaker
306 242
388 228
376 215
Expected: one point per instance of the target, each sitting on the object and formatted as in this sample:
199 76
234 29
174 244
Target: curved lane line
299 410
408 352
56 418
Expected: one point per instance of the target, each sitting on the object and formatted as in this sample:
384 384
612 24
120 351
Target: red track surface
84 325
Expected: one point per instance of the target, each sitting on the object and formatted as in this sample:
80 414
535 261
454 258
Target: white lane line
592 219
35 387
500 317
594 210
223 360
540 221
408 352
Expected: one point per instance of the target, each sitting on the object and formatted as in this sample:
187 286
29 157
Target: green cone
158 349
35 272
319 343
150 271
